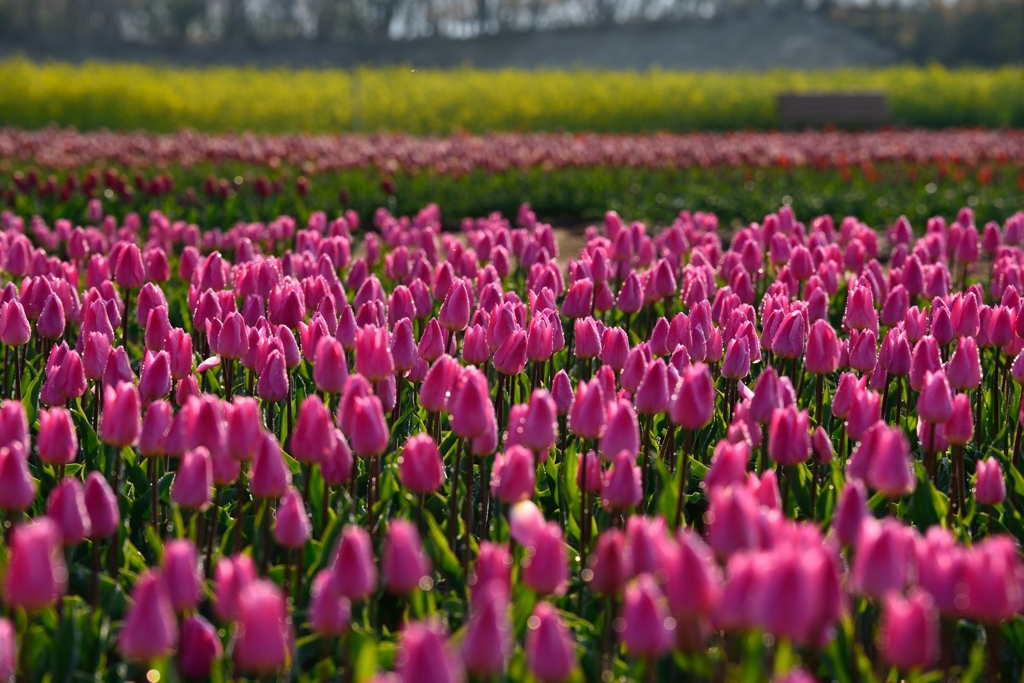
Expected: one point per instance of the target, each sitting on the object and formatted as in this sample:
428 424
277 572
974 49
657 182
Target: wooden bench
849 109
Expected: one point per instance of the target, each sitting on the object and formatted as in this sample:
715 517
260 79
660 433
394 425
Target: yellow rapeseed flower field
136 97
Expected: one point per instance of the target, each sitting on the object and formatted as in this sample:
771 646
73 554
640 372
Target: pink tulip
851 511
101 506
330 371
19 490
935 404
312 440
733 521
588 340
487 641
129 273
550 653
546 569
790 440
355 576
231 576
510 358
540 430
35 576
420 468
423 655
728 465
292 527
149 631
693 587
693 404
58 443
273 381
370 434
122 420
265 638
244 427
270 476
454 314
51 319
199 647
960 427
990 487
622 433
647 629
908 631
66 507
622 489
404 563
329 612
512 478
884 558
470 406
183 574
14 326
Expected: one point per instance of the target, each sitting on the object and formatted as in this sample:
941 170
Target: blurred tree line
951 32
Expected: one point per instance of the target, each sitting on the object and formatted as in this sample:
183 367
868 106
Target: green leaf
365 660
67 646
975 664
666 503
927 506
442 554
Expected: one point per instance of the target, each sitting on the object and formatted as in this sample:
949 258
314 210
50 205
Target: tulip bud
546 568
199 648
470 406
18 490
270 476
35 576
622 433
908 631
512 478
330 370
646 628
66 507
587 419
990 487
540 430
525 521
370 434
122 420
622 489
273 382
404 562
150 631
183 574
693 404
8 651
58 443
550 653
264 638
312 440
193 481
231 576
292 527
487 642
329 612
101 506
355 576
243 432
420 468
790 439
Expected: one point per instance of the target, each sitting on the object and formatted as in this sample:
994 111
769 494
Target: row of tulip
459 154
332 450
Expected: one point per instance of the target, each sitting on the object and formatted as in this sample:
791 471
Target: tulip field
262 420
